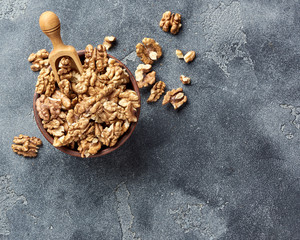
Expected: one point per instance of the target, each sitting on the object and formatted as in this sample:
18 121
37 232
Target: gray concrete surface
225 166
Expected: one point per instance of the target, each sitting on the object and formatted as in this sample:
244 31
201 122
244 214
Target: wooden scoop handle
50 25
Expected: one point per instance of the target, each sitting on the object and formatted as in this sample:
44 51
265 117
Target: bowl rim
107 150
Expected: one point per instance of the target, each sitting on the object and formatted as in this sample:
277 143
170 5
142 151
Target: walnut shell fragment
185 80
176 97
170 22
157 90
26 146
149 51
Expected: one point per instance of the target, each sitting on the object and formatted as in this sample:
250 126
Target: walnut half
176 97
148 52
26 146
157 90
172 21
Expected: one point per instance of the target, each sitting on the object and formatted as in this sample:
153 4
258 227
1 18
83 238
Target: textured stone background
225 166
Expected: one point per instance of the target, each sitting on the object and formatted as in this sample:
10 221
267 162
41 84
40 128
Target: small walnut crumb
179 53
108 40
26 146
148 52
176 97
157 90
189 56
185 80
172 21
39 60
142 76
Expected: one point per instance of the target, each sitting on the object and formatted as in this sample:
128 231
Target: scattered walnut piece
185 80
45 83
172 21
149 51
179 53
143 77
108 40
176 23
165 22
189 56
176 97
157 90
26 146
39 60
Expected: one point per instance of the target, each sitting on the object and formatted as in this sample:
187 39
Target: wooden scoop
50 25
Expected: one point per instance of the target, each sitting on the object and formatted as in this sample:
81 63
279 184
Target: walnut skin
26 146
172 21
148 52
176 97
157 90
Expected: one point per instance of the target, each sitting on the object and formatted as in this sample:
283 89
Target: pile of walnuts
88 111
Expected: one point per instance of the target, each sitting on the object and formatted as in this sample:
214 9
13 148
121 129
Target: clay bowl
103 150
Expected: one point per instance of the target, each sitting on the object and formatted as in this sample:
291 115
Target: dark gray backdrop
225 166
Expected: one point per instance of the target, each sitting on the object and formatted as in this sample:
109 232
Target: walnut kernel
39 60
176 97
179 53
157 90
143 77
149 51
185 80
189 56
108 40
172 21
26 146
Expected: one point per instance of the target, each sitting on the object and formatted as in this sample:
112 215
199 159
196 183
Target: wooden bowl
104 150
